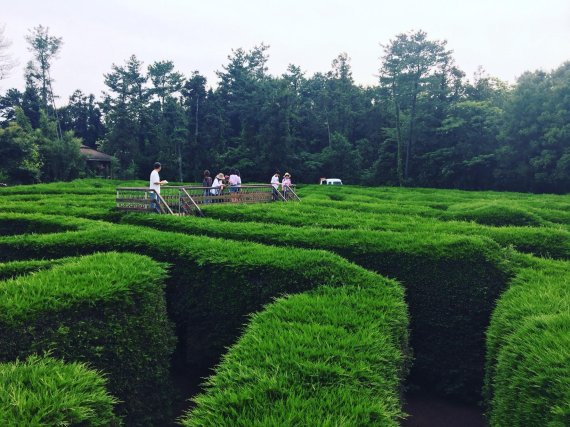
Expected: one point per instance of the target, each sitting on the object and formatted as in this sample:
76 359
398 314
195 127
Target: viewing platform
186 200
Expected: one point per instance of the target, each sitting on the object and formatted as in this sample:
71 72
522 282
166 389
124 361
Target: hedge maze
317 313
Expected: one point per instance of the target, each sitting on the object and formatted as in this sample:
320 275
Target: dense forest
424 124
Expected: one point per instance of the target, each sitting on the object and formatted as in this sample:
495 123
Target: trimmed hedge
79 186
527 377
452 283
543 241
105 309
62 206
9 270
13 224
494 213
319 358
214 283
48 392
532 383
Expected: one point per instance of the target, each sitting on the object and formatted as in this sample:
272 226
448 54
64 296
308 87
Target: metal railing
185 200
141 199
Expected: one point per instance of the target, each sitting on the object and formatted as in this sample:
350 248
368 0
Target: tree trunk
411 136
399 162
196 130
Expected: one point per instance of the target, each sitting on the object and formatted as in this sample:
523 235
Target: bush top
92 278
46 391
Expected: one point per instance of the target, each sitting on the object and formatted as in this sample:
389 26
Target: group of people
285 184
215 186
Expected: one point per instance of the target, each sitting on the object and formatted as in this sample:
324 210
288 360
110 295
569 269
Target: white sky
506 37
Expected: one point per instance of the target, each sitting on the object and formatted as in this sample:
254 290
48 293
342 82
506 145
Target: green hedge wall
106 309
494 213
319 358
541 241
64 206
42 391
12 269
532 382
15 223
214 283
452 283
527 379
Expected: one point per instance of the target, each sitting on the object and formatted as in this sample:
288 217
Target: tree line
423 124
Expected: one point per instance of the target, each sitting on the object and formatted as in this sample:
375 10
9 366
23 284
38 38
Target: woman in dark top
207 182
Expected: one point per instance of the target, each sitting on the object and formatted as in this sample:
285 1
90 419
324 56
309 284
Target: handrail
290 190
280 195
162 202
186 198
193 202
192 187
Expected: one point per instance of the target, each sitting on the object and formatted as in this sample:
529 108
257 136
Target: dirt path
431 411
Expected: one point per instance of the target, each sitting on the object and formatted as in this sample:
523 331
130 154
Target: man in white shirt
155 184
275 183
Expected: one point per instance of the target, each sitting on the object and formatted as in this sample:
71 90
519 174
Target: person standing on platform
207 183
218 186
235 184
275 184
286 184
155 184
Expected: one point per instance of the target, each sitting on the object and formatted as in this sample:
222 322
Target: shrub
495 214
524 378
20 268
106 309
319 358
13 223
452 284
532 382
45 391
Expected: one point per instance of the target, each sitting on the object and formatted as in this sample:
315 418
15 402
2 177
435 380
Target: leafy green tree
8 104
466 154
83 116
61 157
45 49
126 117
341 159
534 152
166 82
411 63
31 99
198 104
19 153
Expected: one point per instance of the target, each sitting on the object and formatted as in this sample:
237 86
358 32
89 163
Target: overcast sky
506 37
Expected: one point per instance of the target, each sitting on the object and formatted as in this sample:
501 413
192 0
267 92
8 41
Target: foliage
13 269
531 384
314 358
527 348
46 391
19 155
112 317
424 124
434 269
438 244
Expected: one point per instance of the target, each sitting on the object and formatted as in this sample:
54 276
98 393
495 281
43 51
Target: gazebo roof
94 155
